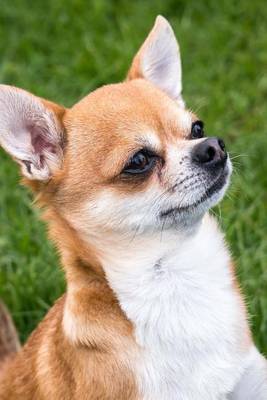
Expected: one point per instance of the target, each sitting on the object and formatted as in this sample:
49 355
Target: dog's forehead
133 110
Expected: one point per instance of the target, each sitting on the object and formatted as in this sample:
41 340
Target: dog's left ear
31 131
159 62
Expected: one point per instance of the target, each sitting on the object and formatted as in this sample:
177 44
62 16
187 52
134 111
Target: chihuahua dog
152 309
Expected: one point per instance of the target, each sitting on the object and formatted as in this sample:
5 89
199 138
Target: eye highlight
197 130
141 162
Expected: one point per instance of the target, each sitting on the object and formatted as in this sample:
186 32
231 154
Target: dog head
127 157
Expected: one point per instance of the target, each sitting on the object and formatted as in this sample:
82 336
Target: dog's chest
187 322
189 347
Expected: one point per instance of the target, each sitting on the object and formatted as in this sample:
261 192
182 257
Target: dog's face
142 161
134 158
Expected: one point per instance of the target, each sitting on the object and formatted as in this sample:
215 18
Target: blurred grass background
62 50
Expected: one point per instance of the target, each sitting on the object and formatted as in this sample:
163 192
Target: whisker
238 156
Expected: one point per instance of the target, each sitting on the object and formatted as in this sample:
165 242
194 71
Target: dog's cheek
116 212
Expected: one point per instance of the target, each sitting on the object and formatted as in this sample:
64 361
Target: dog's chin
202 202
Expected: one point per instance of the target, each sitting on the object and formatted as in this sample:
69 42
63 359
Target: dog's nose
210 152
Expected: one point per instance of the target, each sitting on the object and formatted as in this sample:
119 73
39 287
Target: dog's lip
214 188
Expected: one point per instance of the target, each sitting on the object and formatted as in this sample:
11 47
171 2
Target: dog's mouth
210 192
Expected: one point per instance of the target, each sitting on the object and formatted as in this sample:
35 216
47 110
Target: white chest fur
178 293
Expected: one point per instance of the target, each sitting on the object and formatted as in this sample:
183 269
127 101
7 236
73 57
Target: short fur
152 308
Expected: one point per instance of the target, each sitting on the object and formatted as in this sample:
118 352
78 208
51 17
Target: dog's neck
124 248
168 285
143 268
162 256
119 256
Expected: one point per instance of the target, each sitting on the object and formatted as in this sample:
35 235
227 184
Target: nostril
211 152
221 144
204 153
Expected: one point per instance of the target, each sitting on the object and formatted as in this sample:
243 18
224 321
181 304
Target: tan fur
9 342
96 362
50 367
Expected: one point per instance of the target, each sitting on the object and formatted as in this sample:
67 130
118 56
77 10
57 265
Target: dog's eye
197 130
140 163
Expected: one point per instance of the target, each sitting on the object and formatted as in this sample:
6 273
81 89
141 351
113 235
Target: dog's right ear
158 60
31 131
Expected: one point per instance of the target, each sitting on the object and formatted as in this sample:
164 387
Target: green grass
64 49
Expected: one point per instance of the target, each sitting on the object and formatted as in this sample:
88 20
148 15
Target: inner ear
158 60
31 131
39 140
